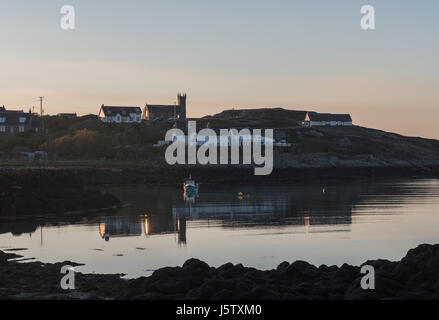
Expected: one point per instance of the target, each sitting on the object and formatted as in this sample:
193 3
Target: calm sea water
322 223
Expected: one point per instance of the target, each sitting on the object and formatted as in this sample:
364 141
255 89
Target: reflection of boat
190 186
189 197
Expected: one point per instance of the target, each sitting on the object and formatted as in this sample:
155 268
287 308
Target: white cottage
314 119
111 114
240 138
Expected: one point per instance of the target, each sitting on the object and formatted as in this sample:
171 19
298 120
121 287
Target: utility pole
44 140
175 114
41 114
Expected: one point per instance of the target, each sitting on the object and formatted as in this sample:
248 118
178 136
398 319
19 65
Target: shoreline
91 176
414 277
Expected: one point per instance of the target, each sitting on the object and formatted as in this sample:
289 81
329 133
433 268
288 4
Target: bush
83 144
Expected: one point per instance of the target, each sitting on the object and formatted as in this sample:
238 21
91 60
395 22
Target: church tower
182 105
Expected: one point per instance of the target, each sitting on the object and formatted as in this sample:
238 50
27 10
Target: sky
300 55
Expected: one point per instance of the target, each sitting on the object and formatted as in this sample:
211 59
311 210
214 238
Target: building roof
4 110
13 118
158 112
314 116
114 110
162 108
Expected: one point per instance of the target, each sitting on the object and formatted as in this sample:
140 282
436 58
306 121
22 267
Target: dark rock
166 272
414 277
196 265
259 293
233 271
302 270
224 267
223 295
210 287
283 266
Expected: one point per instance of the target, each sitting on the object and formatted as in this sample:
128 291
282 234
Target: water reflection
259 226
120 227
164 210
169 210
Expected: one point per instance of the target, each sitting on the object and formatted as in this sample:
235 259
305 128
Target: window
2 120
2 128
20 128
22 120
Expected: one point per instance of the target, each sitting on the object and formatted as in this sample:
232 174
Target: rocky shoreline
416 276
48 201
37 192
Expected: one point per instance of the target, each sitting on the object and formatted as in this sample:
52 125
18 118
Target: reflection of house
166 112
120 227
169 212
312 208
109 114
130 226
158 225
227 210
314 119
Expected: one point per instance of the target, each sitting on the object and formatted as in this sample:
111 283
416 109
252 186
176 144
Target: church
154 112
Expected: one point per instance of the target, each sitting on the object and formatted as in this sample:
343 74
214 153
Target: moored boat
190 186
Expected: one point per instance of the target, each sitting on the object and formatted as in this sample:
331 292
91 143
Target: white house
110 114
240 139
314 119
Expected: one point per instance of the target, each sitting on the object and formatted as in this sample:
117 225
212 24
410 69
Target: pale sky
305 55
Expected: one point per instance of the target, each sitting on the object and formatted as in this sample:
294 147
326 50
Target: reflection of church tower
146 226
182 105
180 227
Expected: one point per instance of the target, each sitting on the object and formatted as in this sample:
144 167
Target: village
268 152
26 136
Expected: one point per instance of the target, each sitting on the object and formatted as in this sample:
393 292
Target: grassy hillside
361 143
261 118
87 138
356 143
